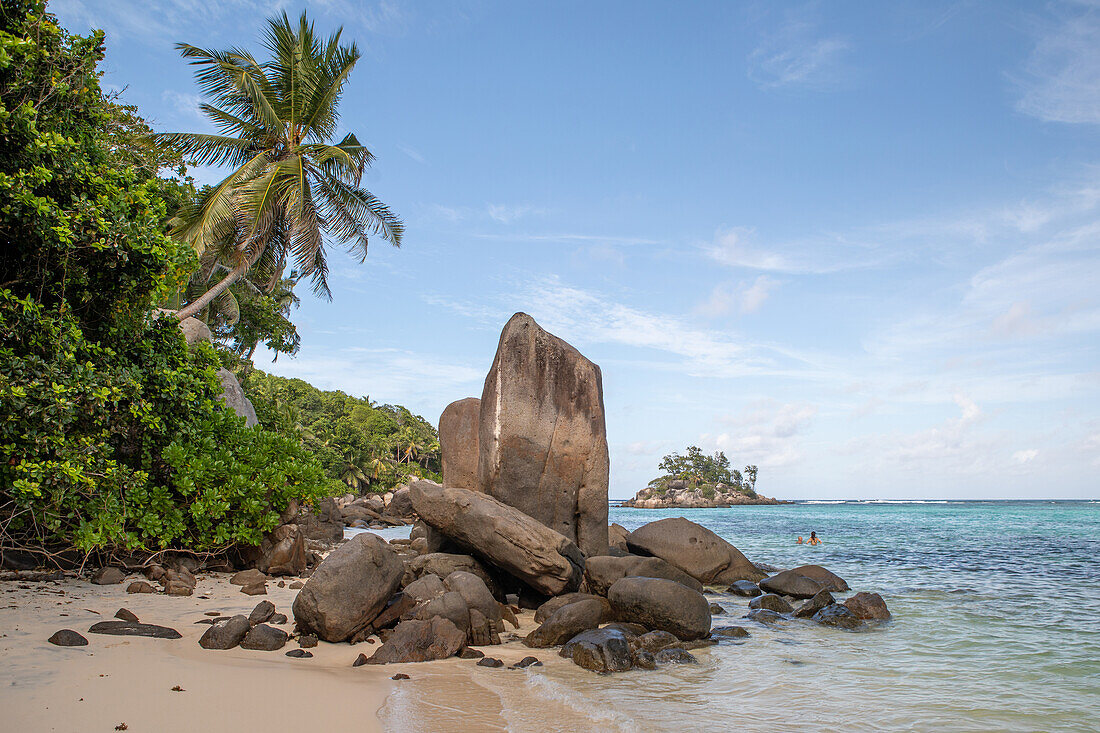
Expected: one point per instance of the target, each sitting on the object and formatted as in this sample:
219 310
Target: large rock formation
349 588
458 442
543 442
502 535
600 573
233 396
656 603
694 549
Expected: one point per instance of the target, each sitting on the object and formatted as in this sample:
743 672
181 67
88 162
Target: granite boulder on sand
694 549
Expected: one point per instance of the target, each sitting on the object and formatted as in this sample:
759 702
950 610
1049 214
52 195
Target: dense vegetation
112 435
699 470
367 446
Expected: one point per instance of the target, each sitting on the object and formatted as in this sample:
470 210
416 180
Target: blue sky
857 244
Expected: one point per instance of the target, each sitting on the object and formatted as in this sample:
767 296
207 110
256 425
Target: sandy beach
119 680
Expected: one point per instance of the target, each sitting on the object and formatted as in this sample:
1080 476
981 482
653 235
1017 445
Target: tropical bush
112 435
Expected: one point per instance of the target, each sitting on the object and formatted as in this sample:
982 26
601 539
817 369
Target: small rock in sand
360 660
248 577
67 637
264 638
490 662
307 641
300 654
256 589
213 613
140 586
296 585
469 653
108 576
716 610
278 618
126 615
400 676
129 628
527 662
225 635
263 611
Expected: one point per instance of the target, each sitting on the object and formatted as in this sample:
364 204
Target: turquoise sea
996 628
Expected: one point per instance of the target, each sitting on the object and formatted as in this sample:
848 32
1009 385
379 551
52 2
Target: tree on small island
698 470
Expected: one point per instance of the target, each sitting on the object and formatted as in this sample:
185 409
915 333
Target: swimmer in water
799 540
813 539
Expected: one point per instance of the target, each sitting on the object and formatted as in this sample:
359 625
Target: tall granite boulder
543 442
349 588
694 549
504 536
458 442
233 396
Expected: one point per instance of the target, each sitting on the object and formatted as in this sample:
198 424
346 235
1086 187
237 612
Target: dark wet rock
657 603
212 613
67 637
744 588
140 586
400 676
458 443
654 641
490 662
125 614
225 634
716 609
601 572
674 655
420 641
772 602
694 549
360 661
600 650
828 580
815 604
296 585
248 577
278 618
307 641
764 616
565 623
627 629
263 611
790 583
264 638
547 609
729 632
838 616
503 535
108 576
542 439
255 589
129 628
527 662
300 654
469 653
643 659
869 606
349 589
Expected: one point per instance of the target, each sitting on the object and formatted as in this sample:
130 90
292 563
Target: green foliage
111 431
701 470
361 443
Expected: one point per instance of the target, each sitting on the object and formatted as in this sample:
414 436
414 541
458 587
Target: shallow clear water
996 626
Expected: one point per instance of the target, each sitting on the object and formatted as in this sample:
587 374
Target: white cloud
754 297
508 214
1025 456
185 104
725 298
797 55
412 153
766 433
735 247
1061 79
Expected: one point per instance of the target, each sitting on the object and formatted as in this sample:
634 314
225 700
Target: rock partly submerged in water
868 606
771 602
828 580
420 641
822 599
694 549
837 616
790 583
565 623
656 603
601 572
744 588
600 650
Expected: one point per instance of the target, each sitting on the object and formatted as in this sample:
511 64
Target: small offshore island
698 481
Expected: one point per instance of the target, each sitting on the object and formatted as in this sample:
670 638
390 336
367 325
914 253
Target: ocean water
996 626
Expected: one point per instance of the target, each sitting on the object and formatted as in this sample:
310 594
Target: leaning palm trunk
221 286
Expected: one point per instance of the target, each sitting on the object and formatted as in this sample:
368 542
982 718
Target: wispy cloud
736 247
186 104
1061 78
507 214
412 153
767 432
797 55
726 298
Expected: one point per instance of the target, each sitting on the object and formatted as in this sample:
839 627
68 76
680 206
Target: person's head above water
813 535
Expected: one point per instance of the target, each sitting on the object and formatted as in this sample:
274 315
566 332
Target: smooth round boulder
547 609
662 604
349 589
744 588
565 623
694 549
264 638
67 637
837 616
790 583
601 572
225 634
600 650
420 641
809 608
772 602
868 606
829 581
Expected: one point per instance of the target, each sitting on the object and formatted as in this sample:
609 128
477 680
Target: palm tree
290 186
352 470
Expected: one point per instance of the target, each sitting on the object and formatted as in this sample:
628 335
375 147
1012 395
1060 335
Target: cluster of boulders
679 495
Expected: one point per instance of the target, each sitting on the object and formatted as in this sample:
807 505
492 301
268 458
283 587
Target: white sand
116 680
